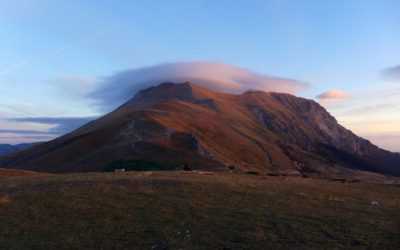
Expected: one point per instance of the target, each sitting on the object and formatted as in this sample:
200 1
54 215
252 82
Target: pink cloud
333 95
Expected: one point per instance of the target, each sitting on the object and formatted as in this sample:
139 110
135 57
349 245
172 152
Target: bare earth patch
4 200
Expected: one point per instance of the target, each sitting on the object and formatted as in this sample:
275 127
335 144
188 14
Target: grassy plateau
195 210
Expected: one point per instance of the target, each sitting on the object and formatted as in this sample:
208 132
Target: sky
62 62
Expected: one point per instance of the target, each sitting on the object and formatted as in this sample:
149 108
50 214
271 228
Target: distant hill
171 125
6 149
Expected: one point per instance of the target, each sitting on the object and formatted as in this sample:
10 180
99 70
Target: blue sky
53 53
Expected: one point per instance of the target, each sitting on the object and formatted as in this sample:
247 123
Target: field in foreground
178 210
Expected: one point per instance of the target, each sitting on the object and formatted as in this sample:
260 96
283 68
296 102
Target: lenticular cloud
118 88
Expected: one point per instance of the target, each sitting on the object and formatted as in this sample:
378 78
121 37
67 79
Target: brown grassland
195 210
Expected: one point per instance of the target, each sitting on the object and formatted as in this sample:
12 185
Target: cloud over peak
118 88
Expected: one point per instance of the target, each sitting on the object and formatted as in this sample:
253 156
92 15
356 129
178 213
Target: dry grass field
195 210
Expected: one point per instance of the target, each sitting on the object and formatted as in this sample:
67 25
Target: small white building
120 170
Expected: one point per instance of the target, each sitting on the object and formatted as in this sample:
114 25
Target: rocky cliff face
176 124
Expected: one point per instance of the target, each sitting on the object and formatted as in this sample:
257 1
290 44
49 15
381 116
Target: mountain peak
169 91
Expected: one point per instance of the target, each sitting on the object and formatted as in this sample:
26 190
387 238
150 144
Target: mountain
6 149
171 125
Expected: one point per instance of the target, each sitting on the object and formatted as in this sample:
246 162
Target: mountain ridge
182 123
6 149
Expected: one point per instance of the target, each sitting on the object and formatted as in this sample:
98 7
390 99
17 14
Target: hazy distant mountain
174 124
6 149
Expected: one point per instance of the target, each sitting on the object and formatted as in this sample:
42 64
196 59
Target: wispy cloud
39 128
15 139
26 132
62 125
392 74
75 85
389 141
368 109
118 88
18 109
